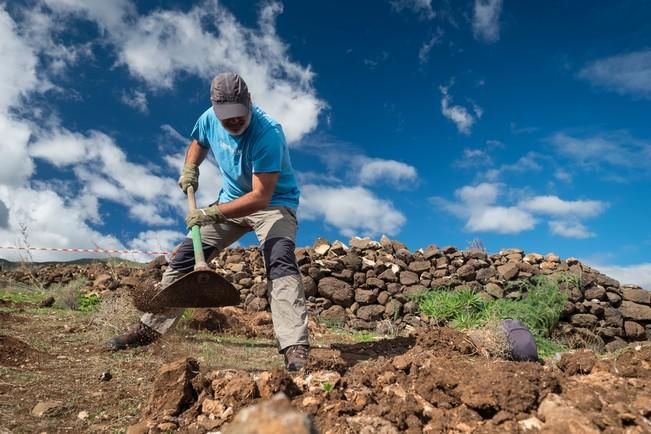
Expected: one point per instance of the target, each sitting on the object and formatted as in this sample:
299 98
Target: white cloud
502 220
400 175
626 74
478 206
636 274
15 165
18 66
159 47
421 7
352 210
616 149
51 221
462 118
486 20
553 205
136 99
423 53
569 229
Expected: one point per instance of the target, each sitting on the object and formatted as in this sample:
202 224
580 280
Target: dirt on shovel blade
202 288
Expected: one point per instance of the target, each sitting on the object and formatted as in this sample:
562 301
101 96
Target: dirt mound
232 320
435 381
14 352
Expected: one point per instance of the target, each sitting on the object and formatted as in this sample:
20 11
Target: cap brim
230 110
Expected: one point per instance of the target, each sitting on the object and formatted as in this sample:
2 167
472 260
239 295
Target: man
260 194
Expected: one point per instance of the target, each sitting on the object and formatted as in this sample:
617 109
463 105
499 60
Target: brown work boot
140 335
296 357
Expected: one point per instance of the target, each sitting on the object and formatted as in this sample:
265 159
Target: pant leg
213 238
275 228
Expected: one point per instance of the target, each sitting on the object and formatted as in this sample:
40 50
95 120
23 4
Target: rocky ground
55 377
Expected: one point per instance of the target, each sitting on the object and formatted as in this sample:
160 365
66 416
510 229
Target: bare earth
432 380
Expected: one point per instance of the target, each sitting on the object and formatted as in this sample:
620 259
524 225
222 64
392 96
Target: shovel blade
201 288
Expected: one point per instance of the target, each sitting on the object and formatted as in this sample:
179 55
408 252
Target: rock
374 282
408 278
585 320
258 304
388 276
613 298
466 272
370 425
430 252
102 281
634 311
309 285
352 261
551 257
360 243
533 258
383 297
636 295
386 244
495 290
616 344
48 409
597 292
370 313
579 362
613 317
338 248
414 291
141 427
271 417
393 309
484 274
48 302
335 314
560 417
508 271
365 296
419 266
321 246
336 290
319 381
172 391
634 330
404 255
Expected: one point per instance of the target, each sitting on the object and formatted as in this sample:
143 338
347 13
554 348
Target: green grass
22 295
540 309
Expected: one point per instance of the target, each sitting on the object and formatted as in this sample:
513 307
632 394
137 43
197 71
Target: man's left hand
204 216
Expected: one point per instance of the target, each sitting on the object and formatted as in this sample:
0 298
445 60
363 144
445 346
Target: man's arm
195 153
264 185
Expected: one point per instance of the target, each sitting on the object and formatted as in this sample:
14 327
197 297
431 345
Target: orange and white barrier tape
54 249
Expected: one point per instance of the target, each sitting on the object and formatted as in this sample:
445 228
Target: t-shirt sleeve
200 131
269 151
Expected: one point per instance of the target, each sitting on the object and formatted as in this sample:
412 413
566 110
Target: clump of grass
116 312
540 309
69 296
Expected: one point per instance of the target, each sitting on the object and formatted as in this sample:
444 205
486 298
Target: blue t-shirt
260 149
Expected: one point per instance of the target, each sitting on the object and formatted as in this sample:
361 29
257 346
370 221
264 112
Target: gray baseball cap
229 96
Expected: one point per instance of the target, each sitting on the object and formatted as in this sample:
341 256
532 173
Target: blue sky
520 124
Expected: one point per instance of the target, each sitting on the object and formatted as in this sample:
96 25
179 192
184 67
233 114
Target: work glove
189 177
204 216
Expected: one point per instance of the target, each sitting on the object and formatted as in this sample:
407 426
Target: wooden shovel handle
199 258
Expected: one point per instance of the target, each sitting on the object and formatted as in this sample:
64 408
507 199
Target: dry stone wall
372 285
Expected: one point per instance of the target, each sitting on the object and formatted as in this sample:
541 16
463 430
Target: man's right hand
189 177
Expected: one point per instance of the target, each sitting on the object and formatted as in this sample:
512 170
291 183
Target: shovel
201 287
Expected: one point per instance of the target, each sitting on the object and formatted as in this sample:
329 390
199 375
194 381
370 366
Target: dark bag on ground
520 340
